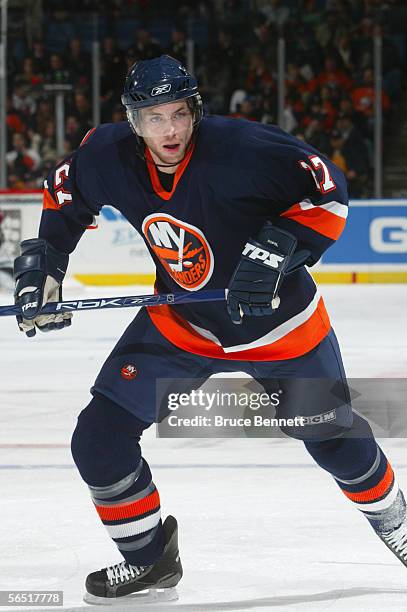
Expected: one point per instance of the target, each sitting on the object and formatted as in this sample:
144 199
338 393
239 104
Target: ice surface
261 527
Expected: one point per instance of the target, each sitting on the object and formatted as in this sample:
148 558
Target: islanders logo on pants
182 249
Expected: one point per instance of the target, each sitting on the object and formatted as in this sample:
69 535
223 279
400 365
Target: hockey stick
127 301
131 301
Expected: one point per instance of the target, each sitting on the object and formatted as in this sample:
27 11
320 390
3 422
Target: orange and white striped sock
130 511
377 494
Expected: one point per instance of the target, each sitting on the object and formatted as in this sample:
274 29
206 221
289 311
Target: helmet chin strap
164 165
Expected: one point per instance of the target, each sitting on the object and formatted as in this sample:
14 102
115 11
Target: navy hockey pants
105 443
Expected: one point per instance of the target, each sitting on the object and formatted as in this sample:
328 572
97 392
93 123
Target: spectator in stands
263 43
274 12
245 110
346 51
316 134
78 62
58 72
392 67
82 110
331 28
60 26
304 50
336 154
22 161
331 75
178 46
310 14
23 100
363 96
74 132
118 114
29 76
330 95
329 80
129 58
312 109
259 78
268 111
112 58
15 121
39 56
145 46
235 18
352 162
346 106
44 113
295 80
289 121
113 72
47 144
219 72
354 146
363 37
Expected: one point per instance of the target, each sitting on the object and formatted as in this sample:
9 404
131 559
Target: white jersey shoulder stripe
334 207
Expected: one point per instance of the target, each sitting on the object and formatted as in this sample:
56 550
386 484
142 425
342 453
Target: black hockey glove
253 289
39 272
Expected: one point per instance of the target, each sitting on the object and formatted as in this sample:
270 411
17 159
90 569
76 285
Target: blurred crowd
329 80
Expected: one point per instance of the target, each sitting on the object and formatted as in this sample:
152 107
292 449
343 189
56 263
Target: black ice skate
145 584
396 540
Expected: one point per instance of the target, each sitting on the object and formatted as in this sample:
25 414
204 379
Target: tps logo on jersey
161 89
128 371
182 249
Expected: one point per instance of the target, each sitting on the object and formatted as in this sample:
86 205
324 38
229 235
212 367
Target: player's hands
253 289
39 272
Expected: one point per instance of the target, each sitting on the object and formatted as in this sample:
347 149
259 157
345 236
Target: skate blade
150 596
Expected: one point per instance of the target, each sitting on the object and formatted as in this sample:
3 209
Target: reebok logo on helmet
161 89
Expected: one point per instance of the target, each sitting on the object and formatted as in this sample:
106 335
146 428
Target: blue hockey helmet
159 81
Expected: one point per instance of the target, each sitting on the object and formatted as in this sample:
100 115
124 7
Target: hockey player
219 203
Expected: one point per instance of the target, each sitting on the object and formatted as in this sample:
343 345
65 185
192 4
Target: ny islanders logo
182 249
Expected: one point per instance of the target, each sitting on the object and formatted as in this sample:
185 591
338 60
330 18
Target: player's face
167 130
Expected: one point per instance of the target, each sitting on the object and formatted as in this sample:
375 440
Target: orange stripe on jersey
322 221
375 492
48 201
295 343
155 181
129 510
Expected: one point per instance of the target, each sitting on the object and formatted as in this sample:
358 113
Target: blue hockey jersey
238 175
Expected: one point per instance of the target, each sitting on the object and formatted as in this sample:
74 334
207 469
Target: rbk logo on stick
182 249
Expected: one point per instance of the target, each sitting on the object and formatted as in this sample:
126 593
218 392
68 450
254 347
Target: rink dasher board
372 248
